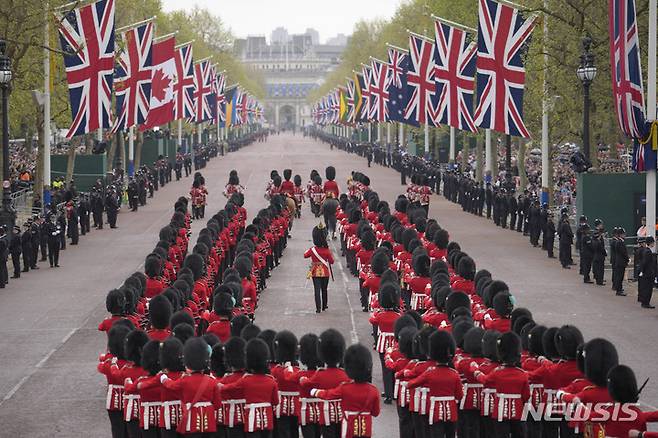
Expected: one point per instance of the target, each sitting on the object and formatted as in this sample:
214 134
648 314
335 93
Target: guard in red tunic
330 184
155 284
469 405
503 304
397 363
115 303
298 194
287 186
223 304
320 269
285 355
148 388
159 314
233 406
171 361
316 195
233 185
445 386
259 390
198 391
196 196
359 398
116 337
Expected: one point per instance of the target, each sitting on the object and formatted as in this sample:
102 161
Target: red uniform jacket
331 186
197 393
288 391
114 399
261 395
445 391
319 268
327 378
512 391
359 402
385 322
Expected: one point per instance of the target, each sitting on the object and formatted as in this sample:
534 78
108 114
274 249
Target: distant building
292 66
338 40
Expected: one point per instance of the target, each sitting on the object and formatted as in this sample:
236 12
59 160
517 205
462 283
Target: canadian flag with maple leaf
161 111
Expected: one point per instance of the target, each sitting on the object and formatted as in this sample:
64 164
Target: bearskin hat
408 235
368 240
438 266
519 312
115 302
196 354
167 233
503 304
442 347
548 343
330 173
234 353
268 336
473 341
508 348
258 356
536 340
174 297
181 317
160 311
455 300
196 265
492 290
439 297
276 181
567 340
152 265
331 347
308 351
518 325
116 338
217 364
171 355
379 263
421 264
401 323
401 204
297 180
459 330
358 363
600 356
481 274
441 279
223 304
622 385
320 237
580 359
389 295
441 239
524 333
489 344
482 285
124 322
287 174
183 331
285 347
421 342
238 323
406 341
466 268
453 246
211 339
132 349
151 357
249 332
243 264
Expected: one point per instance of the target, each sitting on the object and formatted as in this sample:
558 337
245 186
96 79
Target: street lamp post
7 215
586 73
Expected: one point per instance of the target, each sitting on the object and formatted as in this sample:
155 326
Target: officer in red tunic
384 320
159 314
320 269
149 395
155 284
285 356
287 186
116 337
330 184
233 407
359 398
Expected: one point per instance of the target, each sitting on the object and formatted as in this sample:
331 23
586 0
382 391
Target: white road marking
354 333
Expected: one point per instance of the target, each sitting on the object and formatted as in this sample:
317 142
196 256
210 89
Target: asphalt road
49 341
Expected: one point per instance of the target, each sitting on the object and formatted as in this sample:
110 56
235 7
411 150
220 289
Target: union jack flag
87 39
379 92
364 116
132 86
421 85
219 86
203 91
335 106
184 85
503 34
398 61
351 95
455 73
240 114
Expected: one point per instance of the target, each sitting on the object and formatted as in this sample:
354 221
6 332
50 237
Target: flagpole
453 147
46 111
545 162
134 25
179 133
427 138
651 116
401 134
488 152
131 151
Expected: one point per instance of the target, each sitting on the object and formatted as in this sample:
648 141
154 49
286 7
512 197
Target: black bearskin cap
401 204
455 300
223 304
258 356
415 316
331 347
492 290
243 265
152 266
519 312
441 239
518 325
481 285
174 298
389 276
320 237
622 385
482 273
490 344
287 174
600 356
567 340
181 317
548 343
401 323
249 332
330 173
421 265
389 295
459 330
368 240
115 302
508 348
466 268
195 263
442 347
439 297
116 339
151 357
217 364
408 235
285 347
196 353
421 341
160 312
183 331
379 263
406 341
268 336
438 266
234 353
358 363
135 341
503 304
238 323
171 355
473 341
308 351
536 340
524 333
297 180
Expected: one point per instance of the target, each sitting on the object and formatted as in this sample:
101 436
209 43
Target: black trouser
171 433
4 274
512 221
404 423
598 270
35 254
16 260
311 431
75 232
234 432
565 253
286 426
470 423
519 224
53 253
331 431
488 211
509 428
259 434
150 433
27 258
330 221
133 429
387 377
442 429
62 238
320 285
112 217
421 425
117 424
550 244
44 249
644 289
618 272
585 266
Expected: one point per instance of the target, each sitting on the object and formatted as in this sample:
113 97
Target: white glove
114 361
163 378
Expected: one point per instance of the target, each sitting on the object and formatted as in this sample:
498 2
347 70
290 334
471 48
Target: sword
331 271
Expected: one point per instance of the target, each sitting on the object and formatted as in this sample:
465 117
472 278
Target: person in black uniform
111 206
534 223
513 207
543 220
83 212
549 236
579 235
4 252
481 198
488 196
73 220
15 247
520 203
97 207
566 240
527 205
598 256
36 239
61 220
619 260
646 272
26 247
133 194
54 232
586 253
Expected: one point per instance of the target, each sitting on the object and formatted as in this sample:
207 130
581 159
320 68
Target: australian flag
398 61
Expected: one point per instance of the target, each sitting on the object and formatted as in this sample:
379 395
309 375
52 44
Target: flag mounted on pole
379 95
202 91
161 108
366 74
87 39
421 85
503 35
398 61
220 84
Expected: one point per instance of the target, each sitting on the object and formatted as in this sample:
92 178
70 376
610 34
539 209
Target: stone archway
287 117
